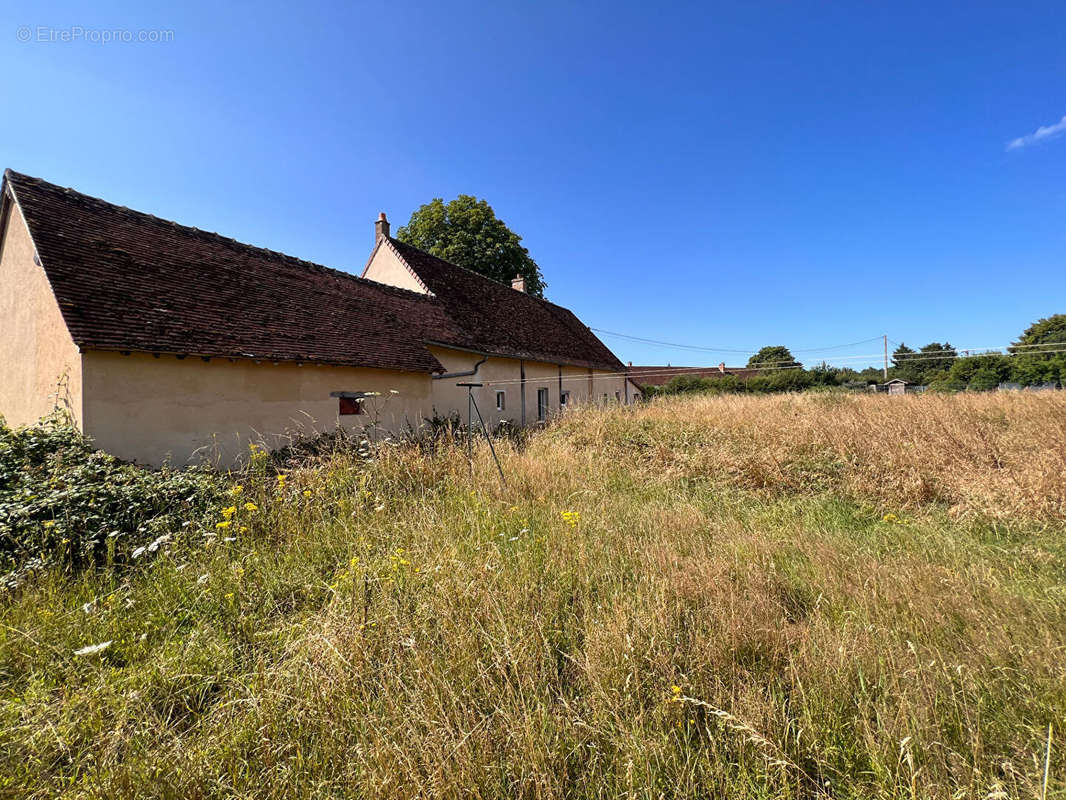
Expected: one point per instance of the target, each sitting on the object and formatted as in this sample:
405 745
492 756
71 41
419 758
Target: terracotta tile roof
494 318
659 376
131 281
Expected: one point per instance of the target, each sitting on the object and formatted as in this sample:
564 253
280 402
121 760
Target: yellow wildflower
307 492
50 523
281 481
236 490
224 525
572 518
251 507
229 512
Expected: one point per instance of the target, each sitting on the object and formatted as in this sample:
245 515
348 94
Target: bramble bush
64 503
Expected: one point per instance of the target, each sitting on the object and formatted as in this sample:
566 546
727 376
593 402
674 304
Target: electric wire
697 371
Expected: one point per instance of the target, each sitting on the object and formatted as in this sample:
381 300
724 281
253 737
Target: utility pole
886 357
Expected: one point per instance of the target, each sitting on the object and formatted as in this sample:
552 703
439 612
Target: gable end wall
386 267
40 366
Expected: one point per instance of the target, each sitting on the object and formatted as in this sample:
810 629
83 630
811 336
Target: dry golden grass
1001 455
723 611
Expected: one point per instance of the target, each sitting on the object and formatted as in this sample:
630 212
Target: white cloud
1041 133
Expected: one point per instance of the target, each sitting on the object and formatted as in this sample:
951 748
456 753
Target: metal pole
886 358
488 436
470 429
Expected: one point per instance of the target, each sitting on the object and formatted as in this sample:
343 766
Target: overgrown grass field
788 597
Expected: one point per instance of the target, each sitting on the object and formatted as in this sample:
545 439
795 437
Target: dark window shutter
349 405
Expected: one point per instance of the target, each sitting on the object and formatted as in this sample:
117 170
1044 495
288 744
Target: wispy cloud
1041 134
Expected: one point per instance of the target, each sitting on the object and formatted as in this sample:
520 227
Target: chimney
518 283
721 368
381 228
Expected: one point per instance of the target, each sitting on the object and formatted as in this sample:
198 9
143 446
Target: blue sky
723 175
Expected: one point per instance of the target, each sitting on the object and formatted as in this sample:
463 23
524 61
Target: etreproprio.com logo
77 33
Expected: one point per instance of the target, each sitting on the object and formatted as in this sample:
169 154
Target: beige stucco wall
149 409
152 410
386 267
40 366
504 374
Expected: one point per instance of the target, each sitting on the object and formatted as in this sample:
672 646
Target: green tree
984 380
922 366
467 232
773 356
903 364
934 358
1034 360
964 370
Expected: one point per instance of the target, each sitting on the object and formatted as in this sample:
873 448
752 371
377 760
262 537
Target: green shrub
64 503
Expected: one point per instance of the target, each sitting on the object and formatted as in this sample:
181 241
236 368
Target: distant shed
896 386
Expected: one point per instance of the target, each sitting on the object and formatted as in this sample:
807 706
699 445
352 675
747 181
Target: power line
698 371
722 349
673 344
948 352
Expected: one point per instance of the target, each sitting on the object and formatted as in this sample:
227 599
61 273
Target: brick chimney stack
518 283
381 228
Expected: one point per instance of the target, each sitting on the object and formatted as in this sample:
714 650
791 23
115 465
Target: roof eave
429 370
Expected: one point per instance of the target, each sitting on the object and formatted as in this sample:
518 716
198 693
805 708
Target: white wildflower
93 648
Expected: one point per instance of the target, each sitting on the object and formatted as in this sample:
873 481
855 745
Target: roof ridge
394 241
213 235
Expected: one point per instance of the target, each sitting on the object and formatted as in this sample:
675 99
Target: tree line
1033 360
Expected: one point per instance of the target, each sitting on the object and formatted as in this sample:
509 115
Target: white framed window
501 400
542 404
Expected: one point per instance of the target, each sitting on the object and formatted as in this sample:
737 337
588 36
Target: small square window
501 401
350 405
542 404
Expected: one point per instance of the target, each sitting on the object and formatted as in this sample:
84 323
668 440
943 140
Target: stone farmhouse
169 343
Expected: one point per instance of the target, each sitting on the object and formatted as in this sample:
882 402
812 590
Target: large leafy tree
467 232
924 365
964 370
903 364
935 358
1034 359
774 356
